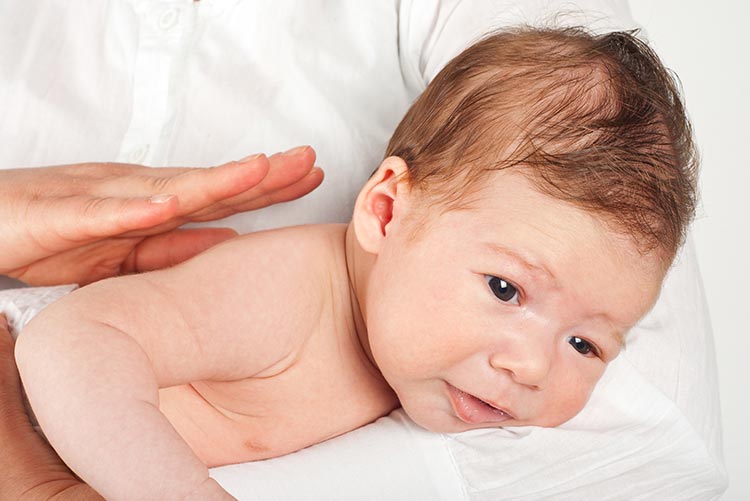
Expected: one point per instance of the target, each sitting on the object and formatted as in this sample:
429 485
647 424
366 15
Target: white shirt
188 83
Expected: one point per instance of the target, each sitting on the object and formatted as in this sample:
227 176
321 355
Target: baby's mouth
473 410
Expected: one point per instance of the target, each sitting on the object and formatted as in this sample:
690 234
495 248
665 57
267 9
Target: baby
528 208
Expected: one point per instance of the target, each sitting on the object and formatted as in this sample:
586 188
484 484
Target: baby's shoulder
313 247
297 270
283 282
324 238
305 243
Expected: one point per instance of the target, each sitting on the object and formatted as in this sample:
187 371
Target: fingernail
160 199
252 157
294 151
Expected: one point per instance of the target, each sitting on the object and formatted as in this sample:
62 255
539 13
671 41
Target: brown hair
594 120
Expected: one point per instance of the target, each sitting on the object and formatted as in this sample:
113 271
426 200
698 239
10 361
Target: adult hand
80 223
30 468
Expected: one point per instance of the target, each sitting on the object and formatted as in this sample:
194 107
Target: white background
707 45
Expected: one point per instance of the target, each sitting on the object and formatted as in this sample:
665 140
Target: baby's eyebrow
531 265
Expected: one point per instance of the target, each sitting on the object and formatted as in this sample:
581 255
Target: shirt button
168 19
138 155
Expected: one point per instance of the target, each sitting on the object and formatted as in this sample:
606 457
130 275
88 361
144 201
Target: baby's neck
358 266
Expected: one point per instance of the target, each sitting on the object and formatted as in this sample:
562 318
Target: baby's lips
473 410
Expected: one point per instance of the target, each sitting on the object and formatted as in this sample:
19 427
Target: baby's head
530 204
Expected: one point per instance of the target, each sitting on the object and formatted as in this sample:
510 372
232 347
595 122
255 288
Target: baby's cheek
563 412
569 400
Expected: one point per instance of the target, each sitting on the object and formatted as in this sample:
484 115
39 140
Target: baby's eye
582 346
503 290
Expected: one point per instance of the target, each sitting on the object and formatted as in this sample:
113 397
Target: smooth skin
79 223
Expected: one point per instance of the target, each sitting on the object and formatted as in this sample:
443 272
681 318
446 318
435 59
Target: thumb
6 340
168 249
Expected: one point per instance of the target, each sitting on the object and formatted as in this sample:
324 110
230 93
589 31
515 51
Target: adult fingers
8 373
171 248
300 188
312 180
12 411
291 175
81 264
49 225
205 189
6 352
199 188
82 218
208 194
287 170
108 257
80 204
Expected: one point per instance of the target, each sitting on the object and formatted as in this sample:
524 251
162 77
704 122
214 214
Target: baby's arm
93 362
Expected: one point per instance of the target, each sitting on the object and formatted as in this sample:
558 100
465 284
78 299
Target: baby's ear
380 200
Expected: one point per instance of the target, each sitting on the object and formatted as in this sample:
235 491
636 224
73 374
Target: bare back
323 385
316 382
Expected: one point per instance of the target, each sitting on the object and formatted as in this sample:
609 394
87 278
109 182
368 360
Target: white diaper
21 305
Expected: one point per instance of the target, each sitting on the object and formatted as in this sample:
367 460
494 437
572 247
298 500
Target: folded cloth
21 305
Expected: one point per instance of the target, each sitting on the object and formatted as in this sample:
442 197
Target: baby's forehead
519 197
500 193
507 208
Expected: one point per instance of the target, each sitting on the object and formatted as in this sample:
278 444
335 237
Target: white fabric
175 82
21 305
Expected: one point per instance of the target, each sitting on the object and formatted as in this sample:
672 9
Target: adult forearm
95 395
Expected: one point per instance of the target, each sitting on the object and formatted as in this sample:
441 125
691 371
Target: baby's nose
528 365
